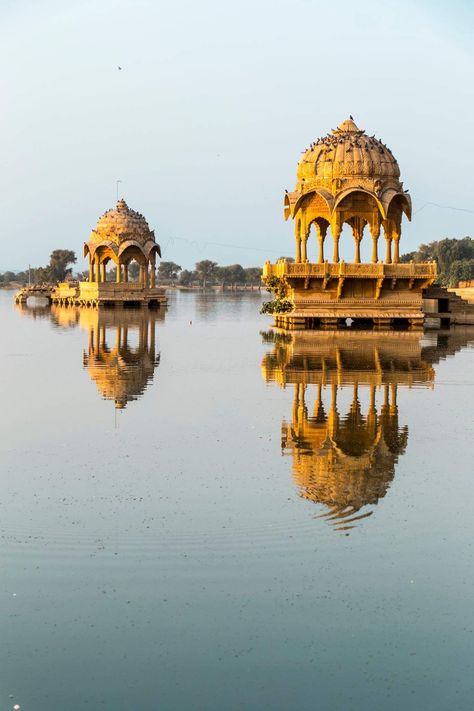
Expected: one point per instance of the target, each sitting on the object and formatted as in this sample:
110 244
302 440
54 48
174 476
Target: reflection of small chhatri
120 366
121 236
121 356
349 178
348 461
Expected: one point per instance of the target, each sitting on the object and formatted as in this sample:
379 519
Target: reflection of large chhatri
349 178
345 447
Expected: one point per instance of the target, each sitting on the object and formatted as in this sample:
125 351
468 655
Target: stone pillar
358 225
298 234
153 272
396 255
125 273
298 250
320 235
357 251
97 270
388 254
119 274
336 233
91 271
304 240
375 233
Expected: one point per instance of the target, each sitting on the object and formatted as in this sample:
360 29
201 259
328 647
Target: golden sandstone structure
121 236
122 352
349 178
344 436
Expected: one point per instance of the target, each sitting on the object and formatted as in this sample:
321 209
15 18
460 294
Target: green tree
232 274
133 271
186 277
59 262
445 253
253 276
206 271
168 272
460 270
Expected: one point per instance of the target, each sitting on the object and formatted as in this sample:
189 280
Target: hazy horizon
206 120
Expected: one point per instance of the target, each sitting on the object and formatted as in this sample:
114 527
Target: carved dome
347 152
344 162
120 230
121 224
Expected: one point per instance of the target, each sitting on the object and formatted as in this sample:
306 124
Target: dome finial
348 126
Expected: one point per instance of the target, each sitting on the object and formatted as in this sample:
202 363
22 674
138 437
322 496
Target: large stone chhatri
348 177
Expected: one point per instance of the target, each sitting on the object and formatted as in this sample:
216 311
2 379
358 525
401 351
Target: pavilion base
325 295
109 295
324 321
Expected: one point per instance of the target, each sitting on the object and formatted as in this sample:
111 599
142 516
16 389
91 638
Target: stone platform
92 294
325 295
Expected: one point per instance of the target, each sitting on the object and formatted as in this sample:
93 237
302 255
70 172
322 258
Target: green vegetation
57 270
280 304
168 272
208 273
454 257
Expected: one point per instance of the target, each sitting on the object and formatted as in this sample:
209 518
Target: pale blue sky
205 123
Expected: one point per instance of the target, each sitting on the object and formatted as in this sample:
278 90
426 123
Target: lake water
200 513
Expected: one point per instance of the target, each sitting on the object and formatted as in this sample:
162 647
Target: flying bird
119 68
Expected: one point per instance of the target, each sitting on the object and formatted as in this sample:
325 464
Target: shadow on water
345 445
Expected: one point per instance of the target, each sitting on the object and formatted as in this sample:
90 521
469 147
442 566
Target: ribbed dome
121 224
347 152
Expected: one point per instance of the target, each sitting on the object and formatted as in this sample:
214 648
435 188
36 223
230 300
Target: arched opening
357 211
133 270
135 265
319 234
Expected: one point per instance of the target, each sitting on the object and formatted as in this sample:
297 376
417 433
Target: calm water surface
200 513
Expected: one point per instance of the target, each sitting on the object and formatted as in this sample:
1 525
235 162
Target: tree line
454 258
58 269
209 273
205 273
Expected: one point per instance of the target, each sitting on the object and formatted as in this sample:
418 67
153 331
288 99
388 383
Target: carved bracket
339 286
378 287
